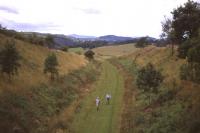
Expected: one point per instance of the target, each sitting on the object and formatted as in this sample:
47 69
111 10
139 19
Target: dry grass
161 57
115 51
31 71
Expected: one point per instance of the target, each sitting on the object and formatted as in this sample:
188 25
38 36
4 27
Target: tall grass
30 110
174 109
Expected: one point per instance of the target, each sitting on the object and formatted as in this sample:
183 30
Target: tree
9 59
142 42
65 48
149 79
50 65
186 21
50 41
168 33
183 26
89 54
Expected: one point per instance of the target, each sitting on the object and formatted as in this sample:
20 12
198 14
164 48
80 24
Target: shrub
142 42
50 65
185 72
89 54
149 79
9 59
65 48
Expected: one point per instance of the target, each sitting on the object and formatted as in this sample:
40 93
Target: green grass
78 50
107 120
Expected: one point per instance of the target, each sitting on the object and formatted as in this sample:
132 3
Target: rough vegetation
172 108
29 100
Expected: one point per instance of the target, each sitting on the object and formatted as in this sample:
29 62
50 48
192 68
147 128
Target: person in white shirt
108 97
97 103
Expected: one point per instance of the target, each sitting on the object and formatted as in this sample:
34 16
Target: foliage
50 41
142 42
50 65
186 21
183 28
184 72
89 54
194 54
191 71
184 48
149 79
65 48
9 59
30 110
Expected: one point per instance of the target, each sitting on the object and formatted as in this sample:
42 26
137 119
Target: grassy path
107 120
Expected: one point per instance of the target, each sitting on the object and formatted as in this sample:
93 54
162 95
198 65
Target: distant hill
80 36
73 40
113 38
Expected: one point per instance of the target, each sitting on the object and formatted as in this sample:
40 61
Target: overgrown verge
127 68
30 110
170 110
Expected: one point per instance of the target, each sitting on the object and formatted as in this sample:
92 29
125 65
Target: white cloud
92 17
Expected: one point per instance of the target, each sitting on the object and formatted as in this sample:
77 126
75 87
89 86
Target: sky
132 18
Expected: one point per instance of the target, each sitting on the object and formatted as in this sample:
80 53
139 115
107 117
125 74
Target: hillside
31 71
30 101
174 108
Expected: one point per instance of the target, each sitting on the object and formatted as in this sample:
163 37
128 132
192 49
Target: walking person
97 103
108 97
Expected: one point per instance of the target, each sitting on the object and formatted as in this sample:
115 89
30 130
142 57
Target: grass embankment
107 120
32 110
32 64
174 109
30 100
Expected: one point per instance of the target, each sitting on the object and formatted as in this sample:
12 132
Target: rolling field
107 119
115 51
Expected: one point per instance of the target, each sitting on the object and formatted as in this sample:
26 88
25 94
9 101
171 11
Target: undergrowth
168 111
29 111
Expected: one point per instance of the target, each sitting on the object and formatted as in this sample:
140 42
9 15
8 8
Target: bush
142 42
9 59
89 54
50 65
65 48
184 72
149 79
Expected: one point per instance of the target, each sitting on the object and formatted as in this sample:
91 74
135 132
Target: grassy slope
161 58
28 105
170 111
31 71
115 51
88 120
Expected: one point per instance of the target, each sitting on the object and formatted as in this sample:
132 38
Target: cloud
29 26
8 10
89 10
